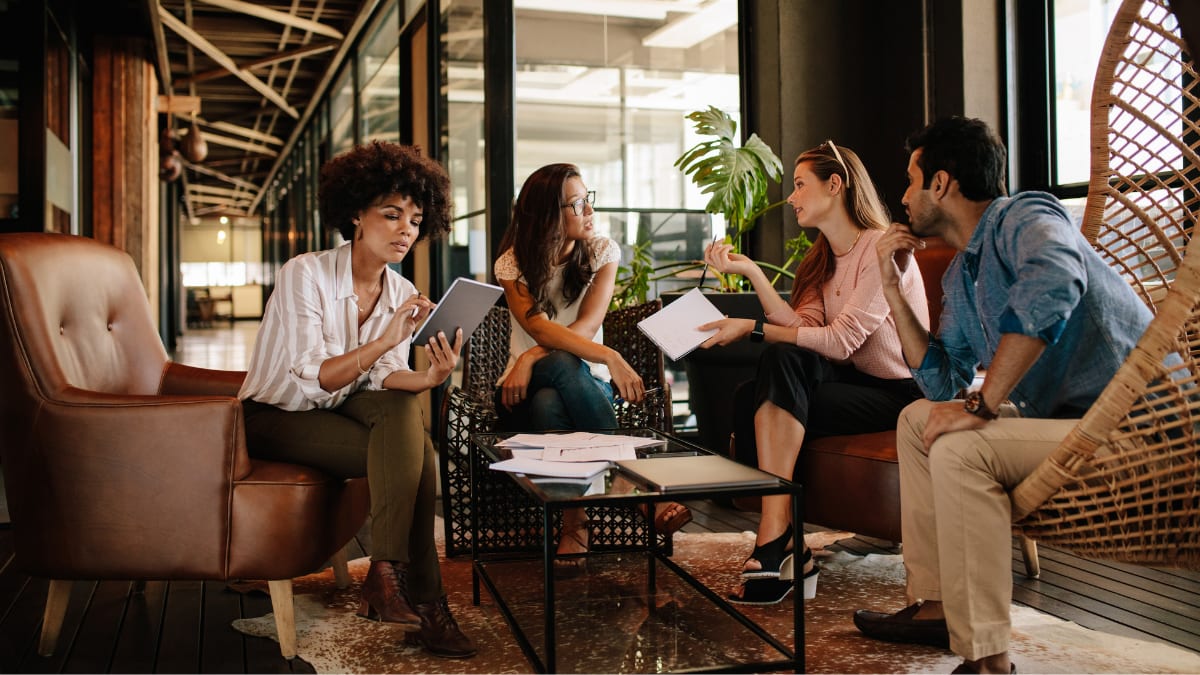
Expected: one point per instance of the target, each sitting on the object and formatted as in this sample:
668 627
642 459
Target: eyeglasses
838 156
577 205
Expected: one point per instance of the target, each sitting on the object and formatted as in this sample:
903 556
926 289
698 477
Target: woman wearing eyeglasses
833 363
558 278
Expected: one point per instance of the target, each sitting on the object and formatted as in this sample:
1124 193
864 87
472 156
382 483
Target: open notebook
697 472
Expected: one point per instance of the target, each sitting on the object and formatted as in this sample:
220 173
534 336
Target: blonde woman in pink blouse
833 363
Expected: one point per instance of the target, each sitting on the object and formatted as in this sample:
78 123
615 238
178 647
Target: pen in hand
704 274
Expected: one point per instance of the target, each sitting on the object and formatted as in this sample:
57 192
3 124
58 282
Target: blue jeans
563 394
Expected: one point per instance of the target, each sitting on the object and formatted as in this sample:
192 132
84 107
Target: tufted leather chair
120 464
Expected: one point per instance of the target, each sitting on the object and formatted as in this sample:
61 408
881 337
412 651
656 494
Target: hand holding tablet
463 306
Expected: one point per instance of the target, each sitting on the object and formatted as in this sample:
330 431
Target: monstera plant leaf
737 177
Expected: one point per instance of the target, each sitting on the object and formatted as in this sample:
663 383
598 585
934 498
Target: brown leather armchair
120 464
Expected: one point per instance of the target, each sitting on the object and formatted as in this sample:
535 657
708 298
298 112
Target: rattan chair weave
1125 483
509 520
1144 189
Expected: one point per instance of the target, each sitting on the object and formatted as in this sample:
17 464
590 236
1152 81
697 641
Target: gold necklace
361 309
838 291
856 238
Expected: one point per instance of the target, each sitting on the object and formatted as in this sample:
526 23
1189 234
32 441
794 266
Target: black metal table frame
550 509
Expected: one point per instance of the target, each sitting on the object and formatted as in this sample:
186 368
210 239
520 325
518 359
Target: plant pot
713 374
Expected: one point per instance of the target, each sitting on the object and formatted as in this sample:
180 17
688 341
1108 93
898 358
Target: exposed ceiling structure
245 77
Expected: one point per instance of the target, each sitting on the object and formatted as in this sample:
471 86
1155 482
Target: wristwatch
978 407
757 334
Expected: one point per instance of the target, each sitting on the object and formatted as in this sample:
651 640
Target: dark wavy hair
968 150
861 200
365 174
535 236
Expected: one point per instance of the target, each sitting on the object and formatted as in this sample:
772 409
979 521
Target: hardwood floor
184 626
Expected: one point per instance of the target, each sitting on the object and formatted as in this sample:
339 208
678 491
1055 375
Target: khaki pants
956 519
379 434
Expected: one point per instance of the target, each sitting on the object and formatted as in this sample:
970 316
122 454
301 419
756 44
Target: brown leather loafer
385 595
902 627
440 634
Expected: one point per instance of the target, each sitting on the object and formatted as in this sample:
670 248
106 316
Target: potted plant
738 179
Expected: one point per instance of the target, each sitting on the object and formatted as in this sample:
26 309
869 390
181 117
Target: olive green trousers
379 434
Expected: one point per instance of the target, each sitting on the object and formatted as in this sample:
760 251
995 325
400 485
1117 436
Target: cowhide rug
607 625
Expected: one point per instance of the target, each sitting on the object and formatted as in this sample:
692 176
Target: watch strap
757 334
978 407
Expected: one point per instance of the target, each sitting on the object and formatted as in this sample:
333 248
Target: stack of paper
579 455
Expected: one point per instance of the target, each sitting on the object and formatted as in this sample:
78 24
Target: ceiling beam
235 143
277 16
222 209
214 190
204 199
222 176
245 132
360 20
259 63
194 38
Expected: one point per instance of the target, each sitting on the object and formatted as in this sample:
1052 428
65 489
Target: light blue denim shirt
1028 270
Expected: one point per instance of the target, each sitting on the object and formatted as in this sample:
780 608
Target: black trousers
828 399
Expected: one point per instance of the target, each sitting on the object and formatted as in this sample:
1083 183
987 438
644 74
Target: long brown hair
535 236
861 200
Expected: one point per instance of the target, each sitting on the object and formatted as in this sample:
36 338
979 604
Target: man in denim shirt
1028 299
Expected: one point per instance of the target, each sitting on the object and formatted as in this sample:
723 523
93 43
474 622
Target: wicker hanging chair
1125 483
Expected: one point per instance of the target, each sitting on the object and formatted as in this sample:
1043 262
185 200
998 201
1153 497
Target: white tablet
463 306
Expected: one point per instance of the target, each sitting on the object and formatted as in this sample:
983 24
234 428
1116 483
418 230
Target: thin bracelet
358 363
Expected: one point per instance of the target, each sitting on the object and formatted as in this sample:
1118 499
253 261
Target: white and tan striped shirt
312 316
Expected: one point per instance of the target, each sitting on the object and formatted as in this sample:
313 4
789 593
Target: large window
606 86
1080 27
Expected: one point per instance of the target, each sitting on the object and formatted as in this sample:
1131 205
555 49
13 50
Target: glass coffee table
620 614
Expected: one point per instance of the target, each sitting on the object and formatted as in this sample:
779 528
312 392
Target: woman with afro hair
329 383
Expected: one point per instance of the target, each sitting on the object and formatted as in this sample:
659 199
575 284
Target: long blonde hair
861 200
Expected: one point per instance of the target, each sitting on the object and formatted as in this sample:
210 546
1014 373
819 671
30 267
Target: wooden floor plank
222 649
179 637
1185 584
1154 600
136 647
99 628
1109 613
21 623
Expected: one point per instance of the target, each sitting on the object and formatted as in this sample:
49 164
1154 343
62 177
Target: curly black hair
365 174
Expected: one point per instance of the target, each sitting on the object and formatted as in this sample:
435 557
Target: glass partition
379 73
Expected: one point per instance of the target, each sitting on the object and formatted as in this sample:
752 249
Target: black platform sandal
773 591
772 557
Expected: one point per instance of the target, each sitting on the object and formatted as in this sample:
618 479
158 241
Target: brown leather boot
440 634
385 595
